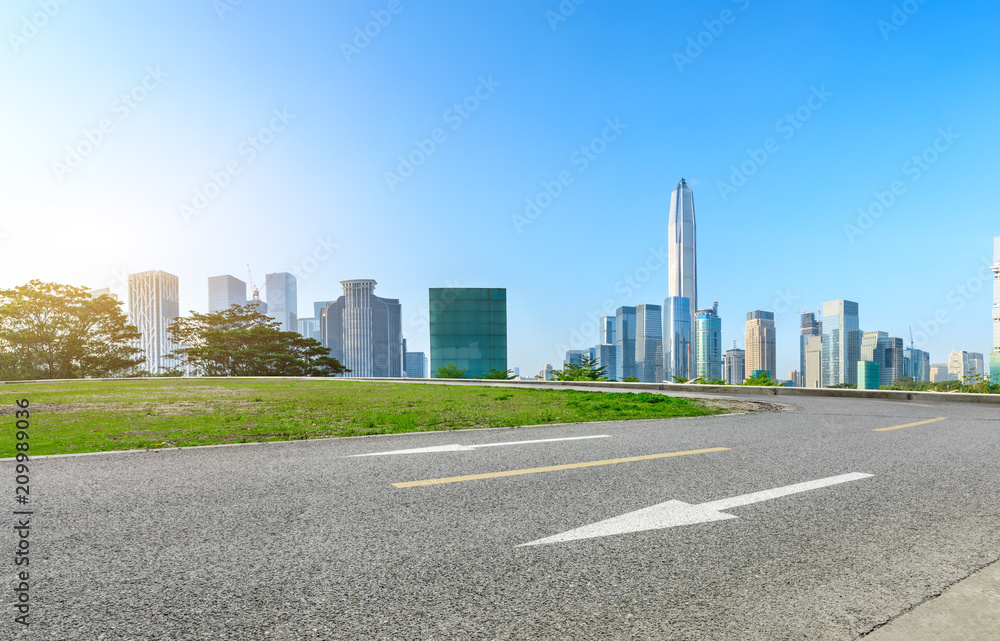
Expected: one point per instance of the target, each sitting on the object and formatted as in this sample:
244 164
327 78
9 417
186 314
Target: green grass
100 416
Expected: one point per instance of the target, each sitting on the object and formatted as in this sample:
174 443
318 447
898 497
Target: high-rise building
649 343
104 291
995 352
841 342
154 301
259 305
624 342
678 338
869 375
977 364
813 375
940 373
225 291
887 351
282 300
708 344
735 364
318 307
682 277
546 373
574 357
468 327
308 327
917 364
607 330
364 331
606 359
810 326
958 365
761 343
416 365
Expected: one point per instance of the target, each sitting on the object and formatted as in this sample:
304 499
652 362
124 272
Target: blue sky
824 106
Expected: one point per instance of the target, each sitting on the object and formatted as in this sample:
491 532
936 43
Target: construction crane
256 291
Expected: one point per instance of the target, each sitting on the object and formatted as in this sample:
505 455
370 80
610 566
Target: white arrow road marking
675 513
466 448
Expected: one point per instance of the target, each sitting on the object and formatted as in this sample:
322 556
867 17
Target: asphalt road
304 540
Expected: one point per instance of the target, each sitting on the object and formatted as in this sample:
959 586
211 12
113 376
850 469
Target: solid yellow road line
905 403
554 468
899 427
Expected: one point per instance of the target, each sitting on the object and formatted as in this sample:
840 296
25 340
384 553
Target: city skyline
224 152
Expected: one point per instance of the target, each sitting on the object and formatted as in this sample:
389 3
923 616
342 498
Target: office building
813 374
154 301
574 357
887 351
308 327
869 376
416 365
282 300
468 327
364 331
735 366
682 279
104 291
940 373
841 342
624 343
649 343
258 305
708 344
318 307
607 330
546 373
810 326
977 364
678 339
761 343
962 365
606 359
917 364
224 292
795 379
995 352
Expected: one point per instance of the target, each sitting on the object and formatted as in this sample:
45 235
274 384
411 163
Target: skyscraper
225 291
607 330
761 345
678 345
708 344
887 351
682 275
282 300
364 331
995 353
810 326
624 342
813 374
917 364
153 301
736 365
649 343
416 365
468 327
841 342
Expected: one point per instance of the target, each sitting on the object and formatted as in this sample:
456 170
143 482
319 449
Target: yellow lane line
899 427
554 468
905 403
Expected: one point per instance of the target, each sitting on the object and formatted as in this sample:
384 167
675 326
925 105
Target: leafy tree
680 379
843 386
498 374
240 341
585 370
762 380
449 371
630 379
49 330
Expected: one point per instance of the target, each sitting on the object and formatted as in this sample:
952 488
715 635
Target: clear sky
784 117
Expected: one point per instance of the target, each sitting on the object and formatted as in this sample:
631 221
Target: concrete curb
729 390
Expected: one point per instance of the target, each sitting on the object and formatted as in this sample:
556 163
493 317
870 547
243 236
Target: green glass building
869 375
468 327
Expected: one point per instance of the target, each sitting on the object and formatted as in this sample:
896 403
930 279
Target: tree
240 341
449 371
498 374
762 380
50 330
630 379
585 370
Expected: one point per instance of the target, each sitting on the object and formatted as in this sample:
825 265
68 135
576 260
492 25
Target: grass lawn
99 416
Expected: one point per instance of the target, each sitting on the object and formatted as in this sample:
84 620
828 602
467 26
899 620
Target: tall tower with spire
682 301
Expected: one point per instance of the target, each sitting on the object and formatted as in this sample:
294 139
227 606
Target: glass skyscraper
708 344
364 331
887 351
841 342
682 279
282 300
624 342
649 343
810 326
468 327
225 291
678 350
917 363
736 366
